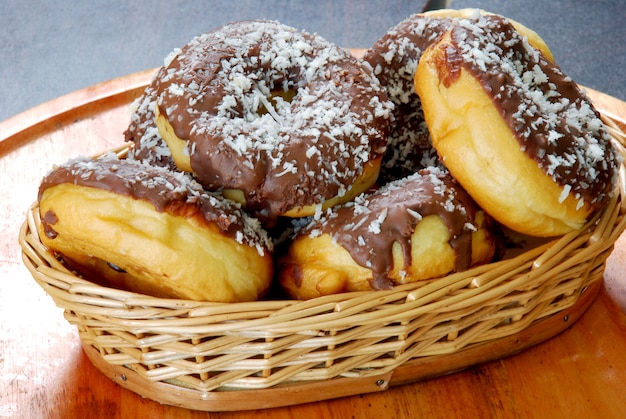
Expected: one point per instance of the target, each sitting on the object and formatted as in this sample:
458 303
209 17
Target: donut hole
277 100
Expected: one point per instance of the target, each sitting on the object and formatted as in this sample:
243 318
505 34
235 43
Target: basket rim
599 233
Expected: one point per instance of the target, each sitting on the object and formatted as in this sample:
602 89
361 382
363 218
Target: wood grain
45 372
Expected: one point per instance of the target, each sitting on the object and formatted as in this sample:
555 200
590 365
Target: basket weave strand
208 347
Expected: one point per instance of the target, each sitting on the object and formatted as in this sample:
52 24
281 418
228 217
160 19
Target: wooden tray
69 127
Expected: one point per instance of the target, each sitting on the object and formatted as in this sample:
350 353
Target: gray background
48 49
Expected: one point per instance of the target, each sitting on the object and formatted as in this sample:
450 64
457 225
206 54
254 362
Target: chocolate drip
48 220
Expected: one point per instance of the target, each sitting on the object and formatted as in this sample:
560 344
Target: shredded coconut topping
148 146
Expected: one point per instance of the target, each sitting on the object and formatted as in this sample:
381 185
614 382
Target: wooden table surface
579 373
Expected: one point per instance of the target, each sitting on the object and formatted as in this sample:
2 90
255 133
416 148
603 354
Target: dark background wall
48 49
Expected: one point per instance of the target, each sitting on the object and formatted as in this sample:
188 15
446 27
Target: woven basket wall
211 346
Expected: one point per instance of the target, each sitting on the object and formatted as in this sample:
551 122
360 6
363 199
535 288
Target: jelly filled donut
394 58
281 120
517 133
145 229
419 227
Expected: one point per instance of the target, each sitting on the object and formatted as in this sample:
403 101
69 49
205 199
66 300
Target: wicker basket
213 356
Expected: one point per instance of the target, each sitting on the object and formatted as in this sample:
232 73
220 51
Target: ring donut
419 227
149 230
281 120
516 132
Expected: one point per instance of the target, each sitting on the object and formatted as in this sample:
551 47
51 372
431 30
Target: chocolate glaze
554 122
394 58
167 191
215 93
368 227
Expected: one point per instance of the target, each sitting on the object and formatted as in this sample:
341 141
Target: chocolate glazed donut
282 121
146 229
419 227
518 134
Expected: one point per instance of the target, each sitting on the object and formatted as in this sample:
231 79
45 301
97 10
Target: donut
394 58
281 121
518 134
419 227
145 229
